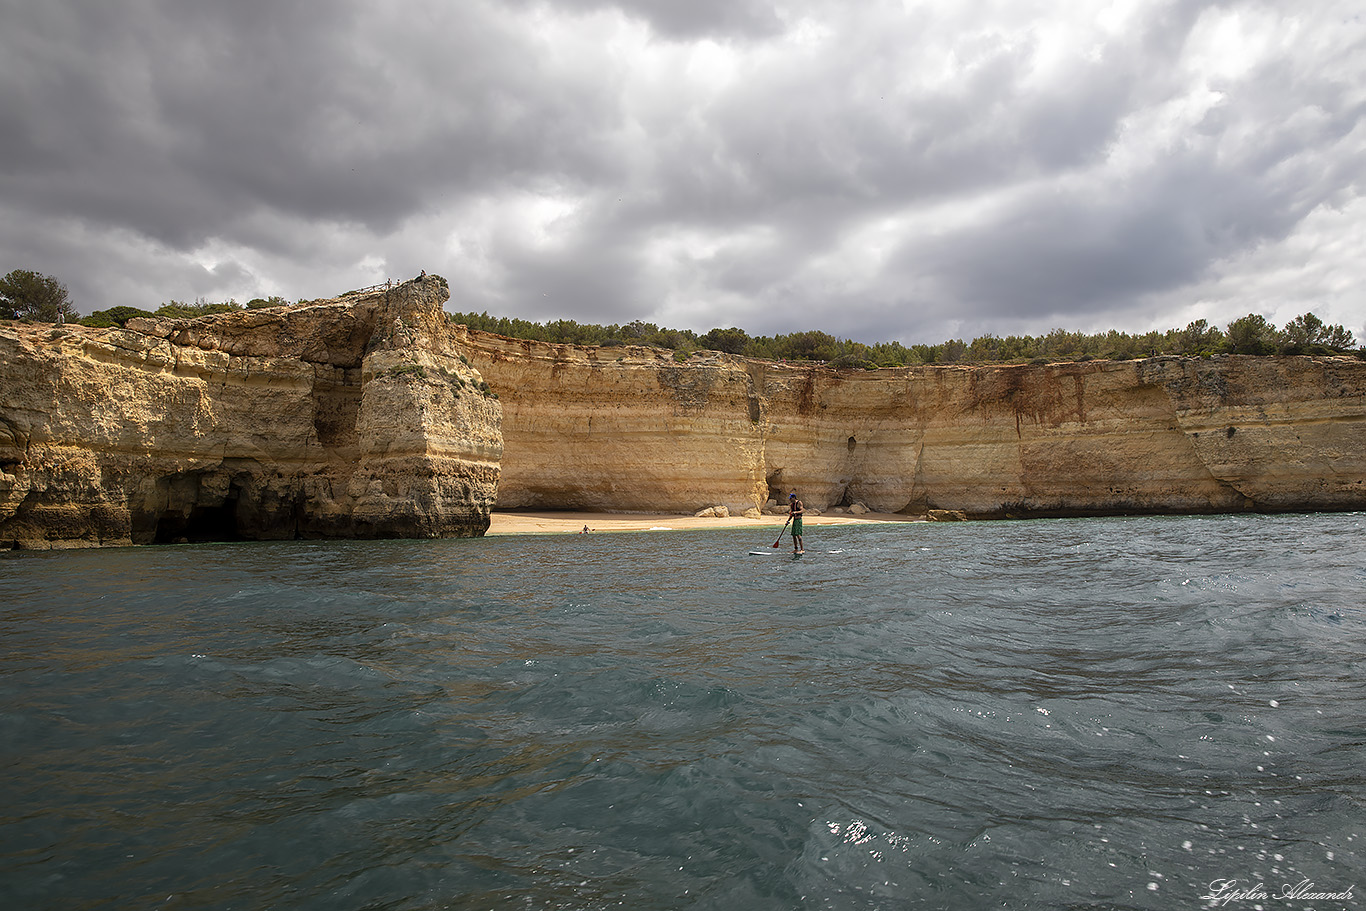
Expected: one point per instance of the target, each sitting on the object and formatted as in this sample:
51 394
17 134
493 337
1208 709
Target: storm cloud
881 171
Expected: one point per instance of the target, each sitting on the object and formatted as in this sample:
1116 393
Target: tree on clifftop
29 295
114 316
1251 334
1308 334
731 341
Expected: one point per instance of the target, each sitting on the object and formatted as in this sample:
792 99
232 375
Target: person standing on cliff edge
795 510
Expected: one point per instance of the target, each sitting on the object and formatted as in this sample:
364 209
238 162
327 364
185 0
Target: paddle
780 534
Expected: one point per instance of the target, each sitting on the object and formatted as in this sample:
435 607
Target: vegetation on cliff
1251 334
33 296
119 316
29 295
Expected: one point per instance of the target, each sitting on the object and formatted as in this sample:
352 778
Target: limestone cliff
372 416
630 429
354 417
619 429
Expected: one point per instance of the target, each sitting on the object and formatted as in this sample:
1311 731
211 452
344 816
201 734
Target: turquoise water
1095 713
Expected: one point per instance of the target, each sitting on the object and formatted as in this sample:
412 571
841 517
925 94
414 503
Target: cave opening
202 525
774 480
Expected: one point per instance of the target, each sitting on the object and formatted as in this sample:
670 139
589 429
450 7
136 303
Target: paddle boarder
794 512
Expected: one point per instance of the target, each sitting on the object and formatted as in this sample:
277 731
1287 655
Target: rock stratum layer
372 416
347 418
629 429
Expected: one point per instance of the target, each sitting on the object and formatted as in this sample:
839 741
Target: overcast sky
879 169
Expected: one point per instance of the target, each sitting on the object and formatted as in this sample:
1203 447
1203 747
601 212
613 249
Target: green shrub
114 316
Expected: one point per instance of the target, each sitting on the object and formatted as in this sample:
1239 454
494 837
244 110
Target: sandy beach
537 523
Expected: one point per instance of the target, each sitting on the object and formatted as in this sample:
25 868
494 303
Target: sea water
1093 713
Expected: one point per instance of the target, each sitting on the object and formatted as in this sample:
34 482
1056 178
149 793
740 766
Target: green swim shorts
796 526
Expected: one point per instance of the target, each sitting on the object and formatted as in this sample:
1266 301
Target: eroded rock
354 417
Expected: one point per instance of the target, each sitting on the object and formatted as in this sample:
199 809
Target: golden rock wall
372 416
346 418
630 429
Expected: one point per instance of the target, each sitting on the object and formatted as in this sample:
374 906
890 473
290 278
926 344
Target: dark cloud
194 114
717 19
882 171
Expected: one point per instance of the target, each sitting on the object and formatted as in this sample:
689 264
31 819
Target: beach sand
539 523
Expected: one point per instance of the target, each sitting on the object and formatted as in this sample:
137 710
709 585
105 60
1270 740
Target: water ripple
1063 714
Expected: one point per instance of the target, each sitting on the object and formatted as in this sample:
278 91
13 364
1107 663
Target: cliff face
368 416
618 429
629 429
347 418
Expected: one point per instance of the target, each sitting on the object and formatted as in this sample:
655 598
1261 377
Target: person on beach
795 510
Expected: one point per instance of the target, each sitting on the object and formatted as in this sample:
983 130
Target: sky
879 170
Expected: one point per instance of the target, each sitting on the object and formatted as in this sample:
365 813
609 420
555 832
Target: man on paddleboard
795 510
